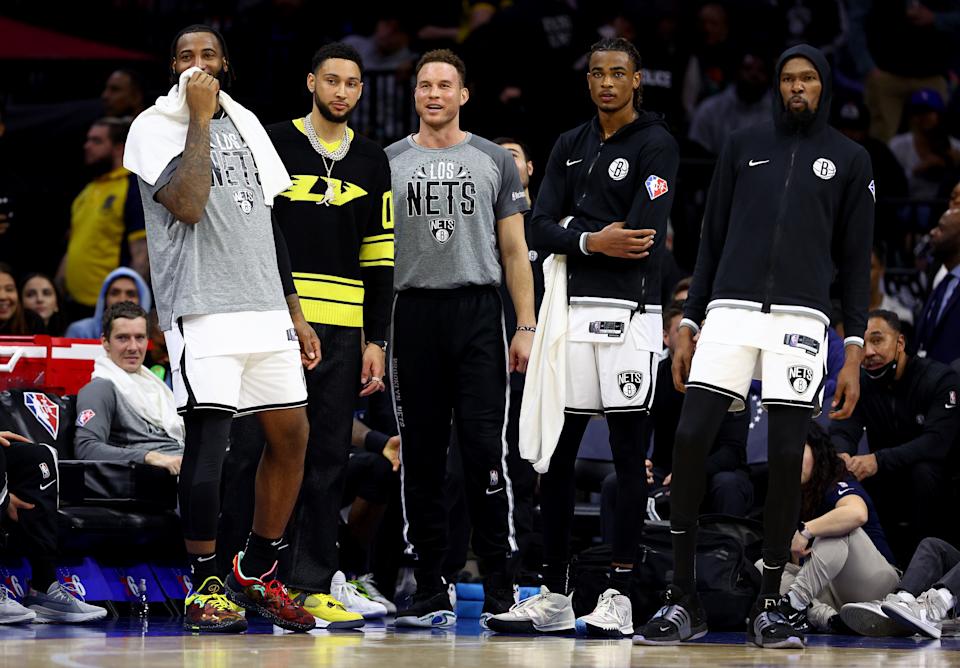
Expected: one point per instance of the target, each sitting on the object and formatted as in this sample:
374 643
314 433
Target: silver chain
333 156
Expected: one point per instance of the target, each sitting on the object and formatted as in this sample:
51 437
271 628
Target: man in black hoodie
604 203
791 205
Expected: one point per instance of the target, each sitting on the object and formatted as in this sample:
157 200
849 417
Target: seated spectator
29 509
923 600
714 58
41 296
879 299
746 102
125 413
908 407
121 285
681 289
938 330
842 548
123 94
14 320
926 152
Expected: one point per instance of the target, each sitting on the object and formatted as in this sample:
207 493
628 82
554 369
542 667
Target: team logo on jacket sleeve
800 377
873 190
630 383
618 169
824 168
85 417
656 186
45 410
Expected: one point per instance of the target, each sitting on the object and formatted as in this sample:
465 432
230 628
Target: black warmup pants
29 470
449 366
935 564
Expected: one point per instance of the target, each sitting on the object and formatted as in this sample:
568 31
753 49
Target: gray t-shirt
446 205
227 262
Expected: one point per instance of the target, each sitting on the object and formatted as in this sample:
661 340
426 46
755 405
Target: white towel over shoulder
545 388
159 134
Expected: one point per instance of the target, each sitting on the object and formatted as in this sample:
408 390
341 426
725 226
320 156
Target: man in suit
938 332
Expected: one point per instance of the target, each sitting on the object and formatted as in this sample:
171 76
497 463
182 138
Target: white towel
545 388
159 134
146 393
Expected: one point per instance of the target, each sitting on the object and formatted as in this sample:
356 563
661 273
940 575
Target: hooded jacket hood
822 114
643 120
90 328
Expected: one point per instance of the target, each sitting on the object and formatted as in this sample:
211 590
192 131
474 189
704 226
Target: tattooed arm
187 193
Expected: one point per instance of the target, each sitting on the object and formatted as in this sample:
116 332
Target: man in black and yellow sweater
337 218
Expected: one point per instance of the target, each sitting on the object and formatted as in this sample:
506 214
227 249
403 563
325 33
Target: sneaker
211 611
498 601
869 619
924 615
62 604
798 619
11 612
328 612
366 585
267 597
612 618
544 613
348 594
429 611
681 618
768 627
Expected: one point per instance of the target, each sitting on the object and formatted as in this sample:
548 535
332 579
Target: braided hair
627 47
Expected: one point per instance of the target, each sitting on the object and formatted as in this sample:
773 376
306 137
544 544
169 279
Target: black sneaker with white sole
681 618
768 625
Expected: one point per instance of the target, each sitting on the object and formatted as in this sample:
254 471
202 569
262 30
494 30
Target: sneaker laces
368 586
606 606
529 601
932 606
5 594
276 589
70 589
217 601
348 589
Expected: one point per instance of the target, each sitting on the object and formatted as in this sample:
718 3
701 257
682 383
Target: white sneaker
543 613
368 587
869 619
62 604
612 618
923 615
348 594
11 612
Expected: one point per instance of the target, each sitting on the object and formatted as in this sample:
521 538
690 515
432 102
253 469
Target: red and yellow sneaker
207 609
268 597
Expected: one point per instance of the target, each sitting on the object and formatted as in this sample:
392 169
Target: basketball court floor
125 644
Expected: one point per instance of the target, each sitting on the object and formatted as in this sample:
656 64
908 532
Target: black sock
620 579
770 581
685 560
43 573
202 566
556 577
259 555
429 582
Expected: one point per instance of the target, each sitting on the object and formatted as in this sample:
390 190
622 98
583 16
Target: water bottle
143 607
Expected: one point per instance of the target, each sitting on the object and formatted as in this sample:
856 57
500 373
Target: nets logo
629 382
656 187
44 410
799 378
824 168
244 200
442 229
618 169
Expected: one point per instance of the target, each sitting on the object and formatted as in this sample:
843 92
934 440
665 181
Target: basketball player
459 200
604 203
231 335
790 201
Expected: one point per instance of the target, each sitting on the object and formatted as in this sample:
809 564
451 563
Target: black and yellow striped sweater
341 251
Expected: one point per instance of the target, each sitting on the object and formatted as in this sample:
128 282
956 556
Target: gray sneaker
11 612
924 615
62 604
869 619
544 613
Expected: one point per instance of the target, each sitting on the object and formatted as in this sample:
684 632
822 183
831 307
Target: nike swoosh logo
573 162
491 492
844 491
949 405
276 542
42 487
206 558
754 163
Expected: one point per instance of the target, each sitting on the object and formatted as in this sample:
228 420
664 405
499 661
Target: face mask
887 371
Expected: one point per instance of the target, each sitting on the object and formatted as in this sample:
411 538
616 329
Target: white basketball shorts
240 363
612 358
787 352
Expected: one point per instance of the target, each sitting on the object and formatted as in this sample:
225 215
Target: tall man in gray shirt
457 200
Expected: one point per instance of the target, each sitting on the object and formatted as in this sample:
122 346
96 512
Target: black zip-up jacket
630 177
786 211
911 420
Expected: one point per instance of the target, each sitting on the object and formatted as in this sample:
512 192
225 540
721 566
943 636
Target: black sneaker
681 618
768 625
497 601
798 619
430 610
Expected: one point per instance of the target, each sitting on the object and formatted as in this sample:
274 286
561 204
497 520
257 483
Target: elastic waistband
790 309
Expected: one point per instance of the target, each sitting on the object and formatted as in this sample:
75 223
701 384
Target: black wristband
375 441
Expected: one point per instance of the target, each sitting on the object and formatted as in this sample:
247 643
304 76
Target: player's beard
328 114
798 121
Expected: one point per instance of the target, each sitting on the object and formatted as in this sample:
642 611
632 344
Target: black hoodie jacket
629 177
788 210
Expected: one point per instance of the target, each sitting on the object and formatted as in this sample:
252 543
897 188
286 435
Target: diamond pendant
329 194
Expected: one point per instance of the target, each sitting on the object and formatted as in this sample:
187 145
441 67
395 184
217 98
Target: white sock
947 597
907 597
795 601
